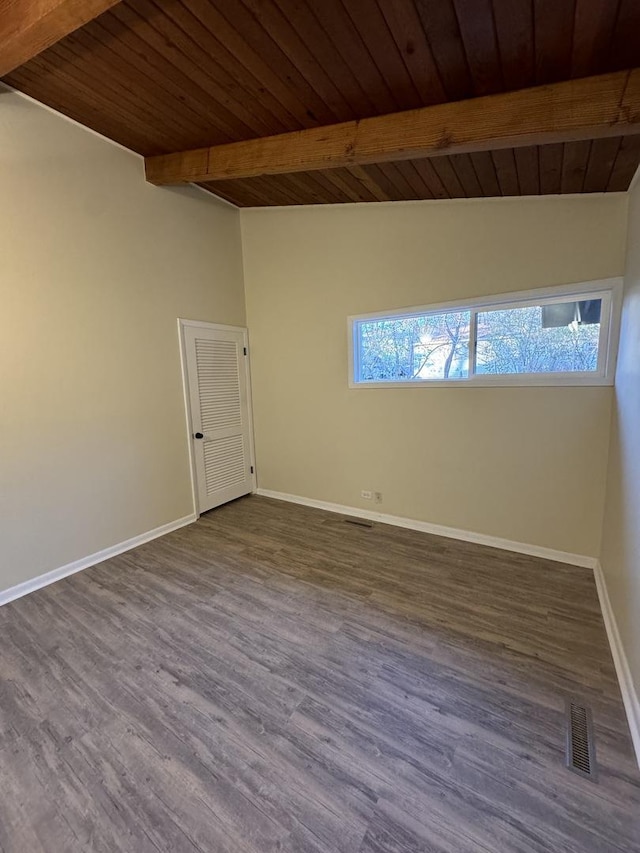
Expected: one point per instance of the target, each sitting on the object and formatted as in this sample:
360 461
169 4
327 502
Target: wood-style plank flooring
274 679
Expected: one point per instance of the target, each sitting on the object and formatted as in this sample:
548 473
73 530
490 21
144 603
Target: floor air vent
361 522
581 753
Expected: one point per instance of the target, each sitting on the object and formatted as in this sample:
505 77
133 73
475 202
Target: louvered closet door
219 414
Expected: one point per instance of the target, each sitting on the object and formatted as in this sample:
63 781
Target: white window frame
608 290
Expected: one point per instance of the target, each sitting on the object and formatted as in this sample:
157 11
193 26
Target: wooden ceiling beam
27 27
589 108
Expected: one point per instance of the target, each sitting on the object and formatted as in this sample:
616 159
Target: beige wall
526 464
621 537
95 267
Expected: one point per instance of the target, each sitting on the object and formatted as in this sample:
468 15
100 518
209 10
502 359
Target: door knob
198 435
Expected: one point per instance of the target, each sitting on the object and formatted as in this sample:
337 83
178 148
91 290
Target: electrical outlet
377 497
366 494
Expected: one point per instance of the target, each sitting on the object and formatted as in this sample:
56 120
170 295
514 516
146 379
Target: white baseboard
31 585
627 687
581 560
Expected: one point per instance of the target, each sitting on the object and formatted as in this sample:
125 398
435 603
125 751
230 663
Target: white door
221 430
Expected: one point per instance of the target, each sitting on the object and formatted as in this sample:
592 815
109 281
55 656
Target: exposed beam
591 108
27 27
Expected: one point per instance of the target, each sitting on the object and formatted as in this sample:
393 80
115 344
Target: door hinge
245 350
252 469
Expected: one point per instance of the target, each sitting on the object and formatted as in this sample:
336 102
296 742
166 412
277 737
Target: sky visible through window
517 340
554 338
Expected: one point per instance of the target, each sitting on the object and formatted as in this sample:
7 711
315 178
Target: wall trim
627 688
581 560
454 202
623 671
54 575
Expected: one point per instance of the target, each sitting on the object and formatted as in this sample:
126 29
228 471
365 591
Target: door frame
221 327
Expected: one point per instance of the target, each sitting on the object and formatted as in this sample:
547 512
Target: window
555 336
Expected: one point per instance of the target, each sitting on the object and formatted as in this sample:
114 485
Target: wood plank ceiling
172 75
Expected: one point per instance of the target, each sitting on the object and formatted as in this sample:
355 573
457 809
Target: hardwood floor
273 679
